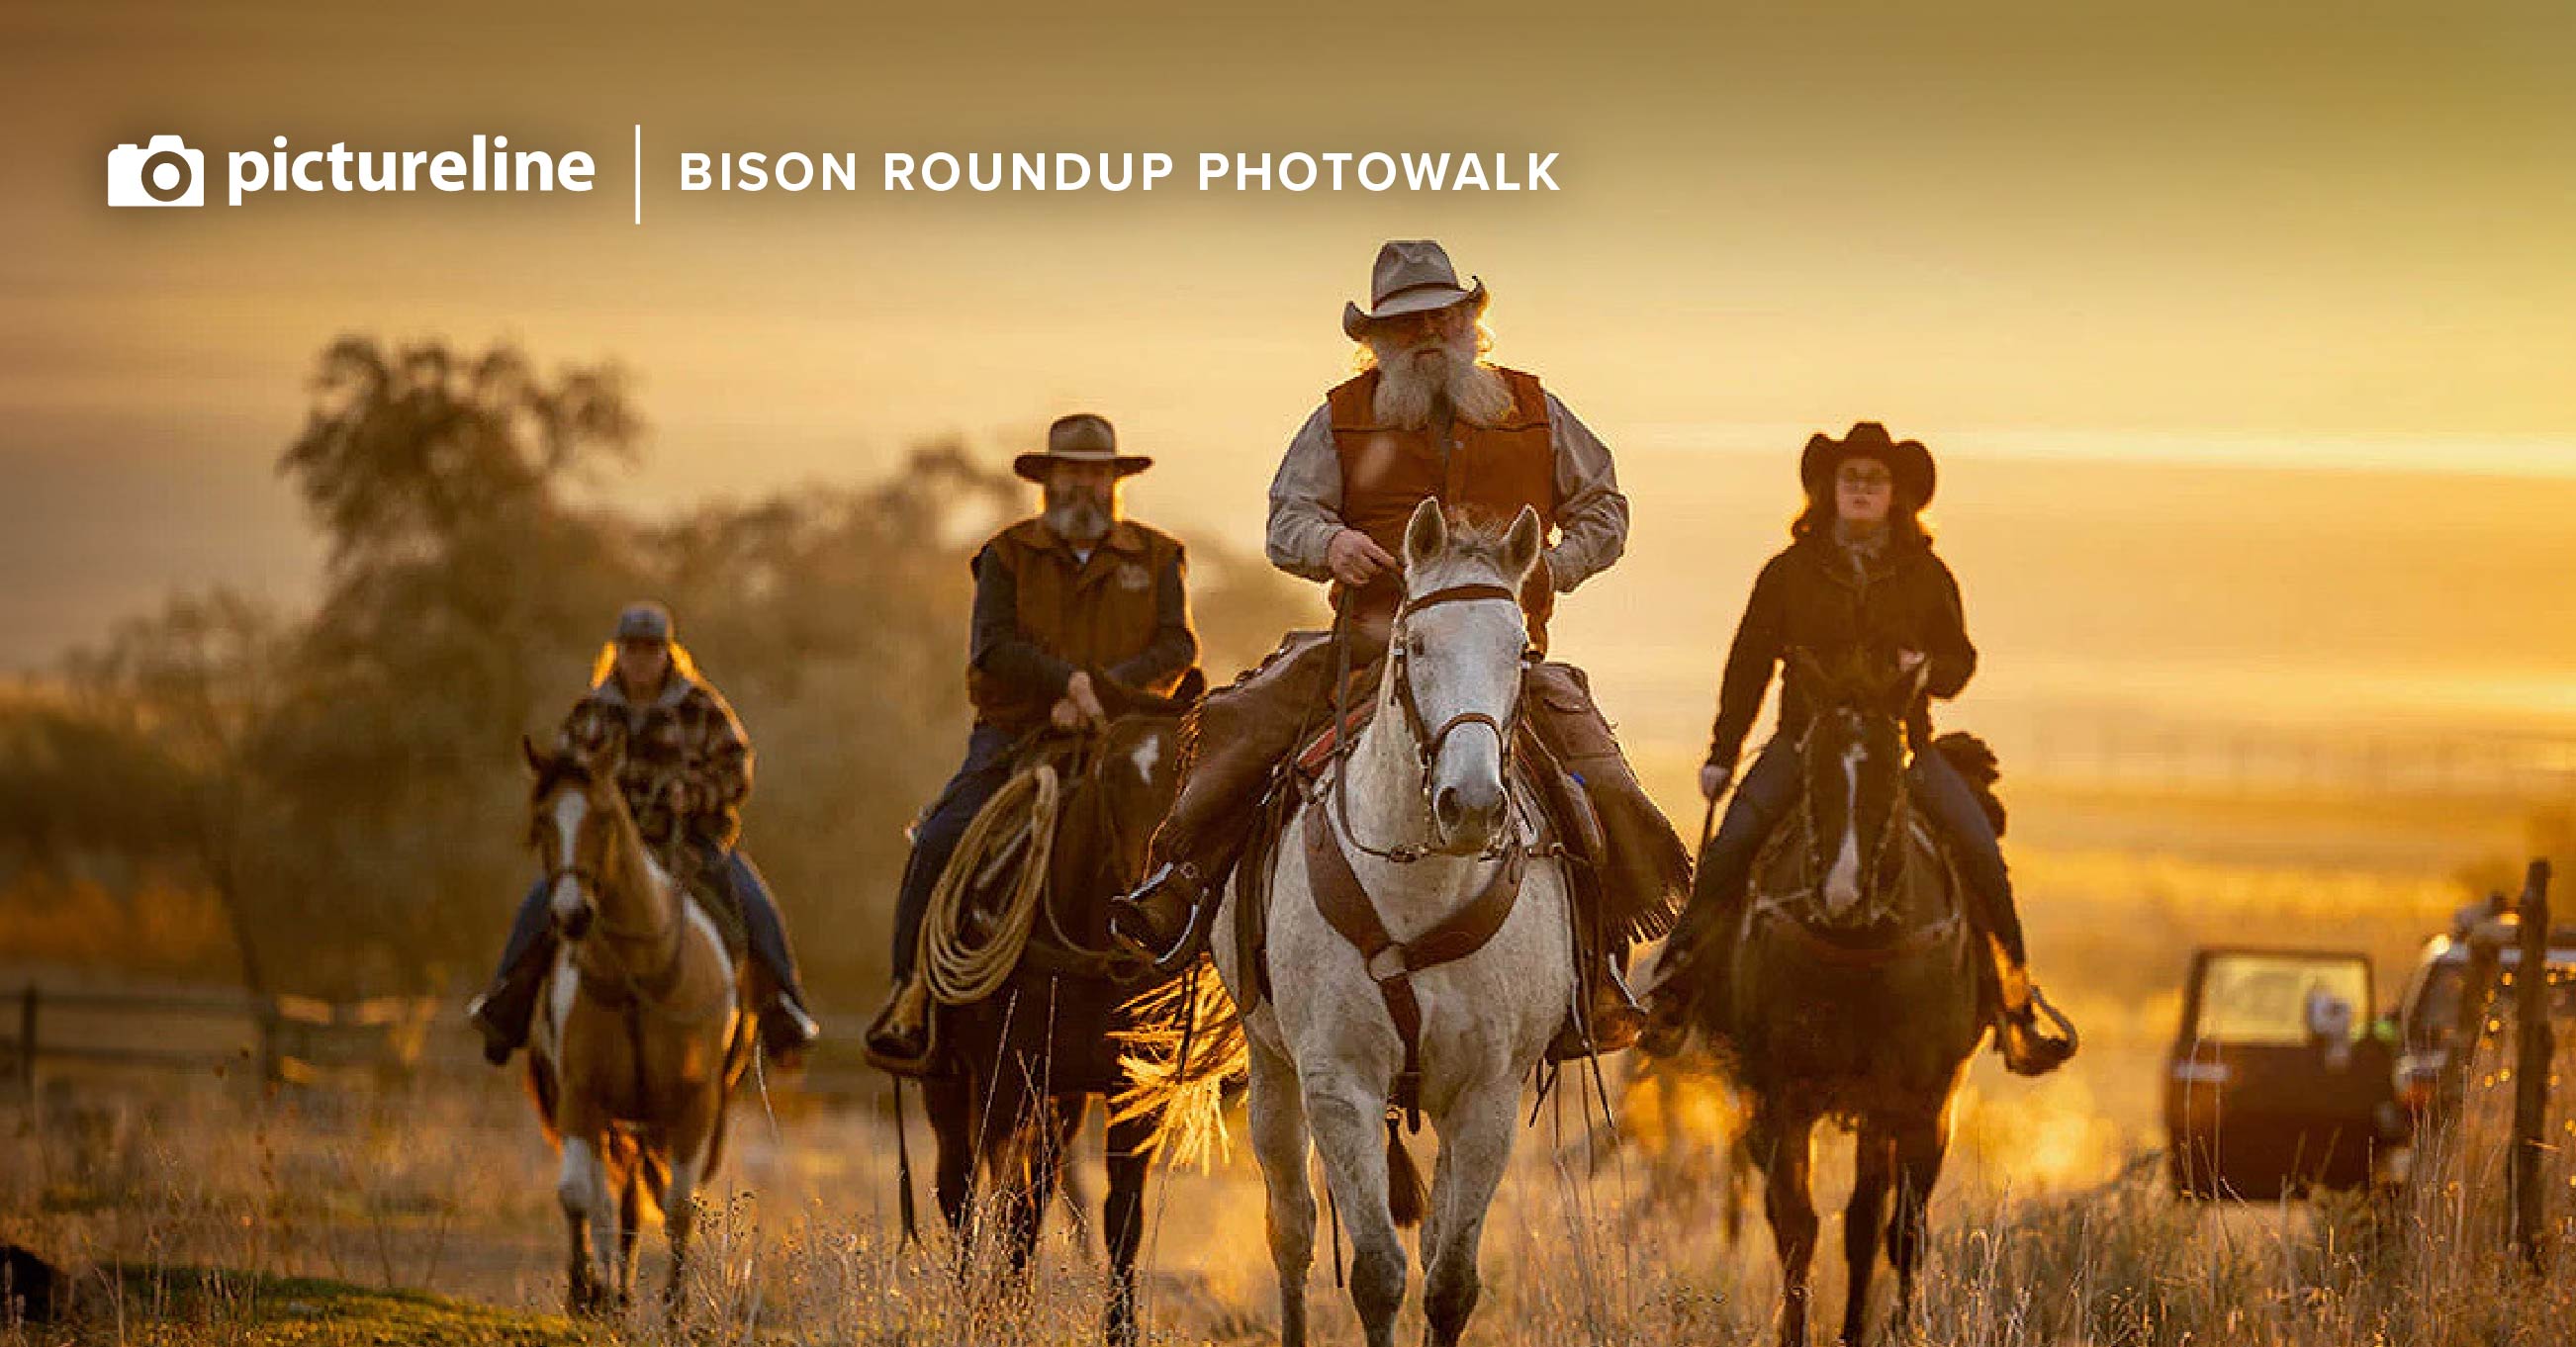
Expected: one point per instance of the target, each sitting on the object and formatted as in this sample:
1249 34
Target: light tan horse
639 1037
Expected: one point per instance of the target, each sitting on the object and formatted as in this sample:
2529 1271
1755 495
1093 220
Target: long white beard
1407 393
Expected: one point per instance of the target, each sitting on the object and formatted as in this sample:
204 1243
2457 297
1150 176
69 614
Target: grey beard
1079 519
1407 398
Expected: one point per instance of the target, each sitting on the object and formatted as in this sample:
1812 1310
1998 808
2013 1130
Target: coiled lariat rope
958 968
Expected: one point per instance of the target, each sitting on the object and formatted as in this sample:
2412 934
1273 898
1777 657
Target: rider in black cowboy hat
1859 575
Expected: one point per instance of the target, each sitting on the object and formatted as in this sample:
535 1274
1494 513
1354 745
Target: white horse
1438 839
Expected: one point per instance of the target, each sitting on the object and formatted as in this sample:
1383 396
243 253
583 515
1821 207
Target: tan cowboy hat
1080 438
1907 460
1411 276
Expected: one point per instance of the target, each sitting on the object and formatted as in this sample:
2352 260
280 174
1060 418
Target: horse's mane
557 769
1478 538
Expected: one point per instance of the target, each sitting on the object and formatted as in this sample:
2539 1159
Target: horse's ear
1521 545
1426 536
528 750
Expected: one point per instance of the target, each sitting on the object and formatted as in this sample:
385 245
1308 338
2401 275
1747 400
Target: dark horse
1857 991
1021 1066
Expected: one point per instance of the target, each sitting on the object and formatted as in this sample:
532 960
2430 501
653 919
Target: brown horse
639 1038
1022 1065
1855 993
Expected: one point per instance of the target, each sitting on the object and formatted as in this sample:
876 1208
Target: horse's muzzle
575 924
1466 818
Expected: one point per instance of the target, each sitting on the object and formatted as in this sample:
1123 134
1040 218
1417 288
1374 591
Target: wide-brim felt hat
1080 438
1411 276
1907 460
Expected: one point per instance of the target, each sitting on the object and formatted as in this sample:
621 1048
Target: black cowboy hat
1907 460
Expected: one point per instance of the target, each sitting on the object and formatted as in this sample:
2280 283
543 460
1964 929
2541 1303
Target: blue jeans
1769 791
986 770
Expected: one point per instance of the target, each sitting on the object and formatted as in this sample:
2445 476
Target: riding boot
899 1038
504 1009
1230 746
1612 1019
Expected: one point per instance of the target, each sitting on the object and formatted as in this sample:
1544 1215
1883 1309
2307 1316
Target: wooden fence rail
294 1037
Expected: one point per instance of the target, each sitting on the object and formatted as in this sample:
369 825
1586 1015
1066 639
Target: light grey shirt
1591 515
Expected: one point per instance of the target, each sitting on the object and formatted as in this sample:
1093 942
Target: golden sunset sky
2247 333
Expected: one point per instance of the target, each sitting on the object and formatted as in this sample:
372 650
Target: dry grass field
199 1212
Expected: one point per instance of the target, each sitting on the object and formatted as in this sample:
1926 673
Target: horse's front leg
1920 1149
1475 1148
1873 1169
950 1102
1786 1159
1349 1122
1277 1110
1122 1222
581 1186
680 1206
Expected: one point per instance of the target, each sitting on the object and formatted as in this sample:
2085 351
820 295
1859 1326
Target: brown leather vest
1091 614
1485 473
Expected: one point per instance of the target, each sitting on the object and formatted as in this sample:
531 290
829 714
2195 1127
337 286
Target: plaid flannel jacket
688 762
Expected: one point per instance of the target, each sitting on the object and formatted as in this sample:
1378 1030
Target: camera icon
163 173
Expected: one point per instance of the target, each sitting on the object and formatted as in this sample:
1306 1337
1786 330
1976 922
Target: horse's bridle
1398 668
1428 741
1899 816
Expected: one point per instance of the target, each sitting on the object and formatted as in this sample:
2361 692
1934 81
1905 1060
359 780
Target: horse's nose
1467 813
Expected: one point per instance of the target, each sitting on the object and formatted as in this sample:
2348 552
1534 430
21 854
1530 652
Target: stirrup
2041 1052
1192 940
1133 928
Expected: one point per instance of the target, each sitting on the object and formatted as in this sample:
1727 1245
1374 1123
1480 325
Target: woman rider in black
1859 574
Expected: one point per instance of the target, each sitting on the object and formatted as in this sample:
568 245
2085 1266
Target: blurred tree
143 766
350 783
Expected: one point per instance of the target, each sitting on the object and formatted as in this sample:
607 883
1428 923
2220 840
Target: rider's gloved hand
1713 778
1356 559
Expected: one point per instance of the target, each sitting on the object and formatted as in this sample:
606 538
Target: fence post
2534 1049
27 1041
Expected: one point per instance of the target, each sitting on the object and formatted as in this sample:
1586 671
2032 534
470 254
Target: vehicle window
2437 1008
2284 999
2436 1012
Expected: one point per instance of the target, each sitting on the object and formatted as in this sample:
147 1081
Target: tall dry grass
447 1189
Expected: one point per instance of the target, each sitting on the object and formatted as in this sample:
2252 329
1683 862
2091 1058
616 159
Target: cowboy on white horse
1426 419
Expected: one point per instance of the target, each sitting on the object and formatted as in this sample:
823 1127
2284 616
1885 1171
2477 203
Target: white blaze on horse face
1842 883
571 806
1149 751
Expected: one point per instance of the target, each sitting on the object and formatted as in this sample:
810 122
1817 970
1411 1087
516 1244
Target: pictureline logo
166 172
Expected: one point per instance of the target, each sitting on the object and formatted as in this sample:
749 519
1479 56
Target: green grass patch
218 1307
